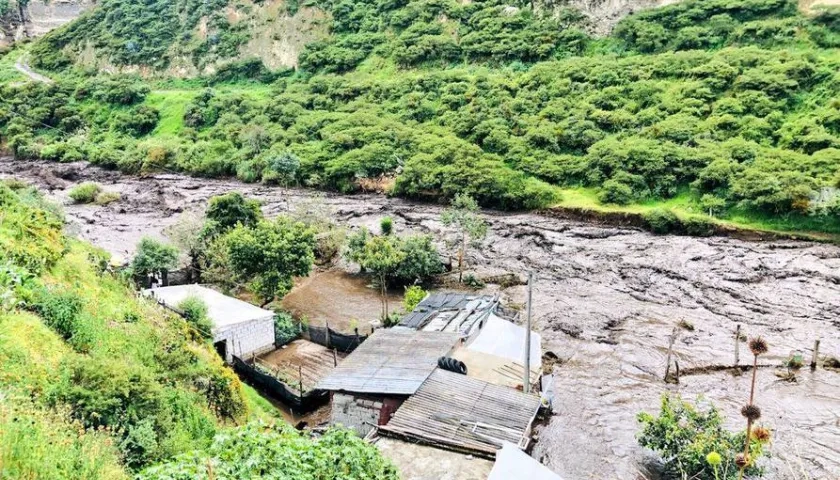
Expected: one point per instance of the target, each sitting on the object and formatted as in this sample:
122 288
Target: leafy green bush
698 226
286 328
693 442
661 221
413 296
60 310
85 192
231 209
252 450
195 310
104 198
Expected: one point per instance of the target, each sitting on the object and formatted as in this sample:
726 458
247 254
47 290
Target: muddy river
606 301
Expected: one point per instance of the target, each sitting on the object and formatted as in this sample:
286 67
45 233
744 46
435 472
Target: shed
239 328
465 414
374 380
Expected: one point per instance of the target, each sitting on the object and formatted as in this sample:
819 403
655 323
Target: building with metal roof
466 414
373 381
239 328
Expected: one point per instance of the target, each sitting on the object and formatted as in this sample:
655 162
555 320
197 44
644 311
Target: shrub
661 221
613 191
686 437
698 226
252 450
195 310
386 226
232 209
104 198
286 328
60 310
413 296
85 192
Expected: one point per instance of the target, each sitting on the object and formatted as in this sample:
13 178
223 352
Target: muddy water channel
606 301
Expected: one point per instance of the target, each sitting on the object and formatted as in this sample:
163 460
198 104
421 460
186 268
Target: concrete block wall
357 413
247 339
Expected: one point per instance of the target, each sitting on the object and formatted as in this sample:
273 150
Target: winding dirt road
606 301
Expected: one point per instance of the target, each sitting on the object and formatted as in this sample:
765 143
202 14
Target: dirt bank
606 300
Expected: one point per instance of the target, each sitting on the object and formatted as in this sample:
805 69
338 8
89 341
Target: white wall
247 339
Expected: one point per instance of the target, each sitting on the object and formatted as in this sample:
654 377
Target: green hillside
720 107
96 383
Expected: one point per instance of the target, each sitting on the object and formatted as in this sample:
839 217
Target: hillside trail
606 300
22 66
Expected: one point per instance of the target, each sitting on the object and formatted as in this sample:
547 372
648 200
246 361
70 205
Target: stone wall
247 339
361 413
355 412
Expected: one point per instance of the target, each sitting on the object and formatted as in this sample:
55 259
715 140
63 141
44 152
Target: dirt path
22 66
606 301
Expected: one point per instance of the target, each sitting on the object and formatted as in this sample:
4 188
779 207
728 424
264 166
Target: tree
463 215
154 256
187 233
270 254
381 256
420 261
232 209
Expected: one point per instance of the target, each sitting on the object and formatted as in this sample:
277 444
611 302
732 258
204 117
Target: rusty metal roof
391 361
466 414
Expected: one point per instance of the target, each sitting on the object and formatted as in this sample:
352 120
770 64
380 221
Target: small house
239 328
373 381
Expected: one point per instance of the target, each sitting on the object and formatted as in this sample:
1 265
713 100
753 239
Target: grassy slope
41 435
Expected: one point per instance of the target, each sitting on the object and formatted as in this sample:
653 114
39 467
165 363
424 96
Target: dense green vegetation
693 442
278 451
718 107
96 383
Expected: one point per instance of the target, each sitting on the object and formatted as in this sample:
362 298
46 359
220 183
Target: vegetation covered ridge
720 108
97 383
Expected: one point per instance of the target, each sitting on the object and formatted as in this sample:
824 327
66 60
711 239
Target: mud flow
606 301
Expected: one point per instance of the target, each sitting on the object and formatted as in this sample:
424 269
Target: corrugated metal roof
391 361
465 413
450 311
222 310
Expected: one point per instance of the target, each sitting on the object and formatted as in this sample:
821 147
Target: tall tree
381 256
270 254
154 256
464 217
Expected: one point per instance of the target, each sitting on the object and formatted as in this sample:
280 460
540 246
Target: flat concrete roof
223 311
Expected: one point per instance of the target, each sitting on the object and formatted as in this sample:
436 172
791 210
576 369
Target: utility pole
526 385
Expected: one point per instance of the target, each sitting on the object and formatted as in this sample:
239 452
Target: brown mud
606 300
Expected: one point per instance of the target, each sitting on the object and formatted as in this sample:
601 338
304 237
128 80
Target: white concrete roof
511 462
505 339
223 311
